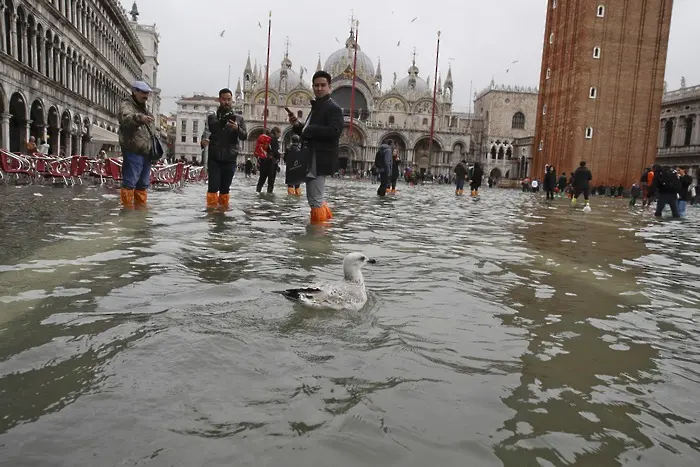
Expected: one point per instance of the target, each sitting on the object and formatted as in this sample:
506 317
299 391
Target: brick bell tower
601 87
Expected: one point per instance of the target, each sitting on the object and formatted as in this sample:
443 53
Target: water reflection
508 331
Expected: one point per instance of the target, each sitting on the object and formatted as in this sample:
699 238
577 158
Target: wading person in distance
293 186
320 135
395 170
222 132
475 178
582 183
461 172
384 156
269 163
135 138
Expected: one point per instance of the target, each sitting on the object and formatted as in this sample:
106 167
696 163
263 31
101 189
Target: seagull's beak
372 261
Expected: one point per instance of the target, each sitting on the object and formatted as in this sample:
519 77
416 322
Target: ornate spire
238 89
439 84
248 69
378 74
318 65
286 62
134 12
448 80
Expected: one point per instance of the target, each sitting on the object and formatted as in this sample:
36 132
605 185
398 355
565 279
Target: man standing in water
384 166
582 183
135 138
320 136
222 132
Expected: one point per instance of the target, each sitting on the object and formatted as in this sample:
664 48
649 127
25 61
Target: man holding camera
320 135
222 132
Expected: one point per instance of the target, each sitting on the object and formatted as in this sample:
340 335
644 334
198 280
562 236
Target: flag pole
432 119
354 77
267 69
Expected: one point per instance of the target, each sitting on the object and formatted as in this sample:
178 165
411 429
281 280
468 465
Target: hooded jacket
134 135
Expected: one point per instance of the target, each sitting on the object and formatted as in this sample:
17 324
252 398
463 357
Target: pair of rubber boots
133 198
459 192
321 215
215 200
293 191
390 191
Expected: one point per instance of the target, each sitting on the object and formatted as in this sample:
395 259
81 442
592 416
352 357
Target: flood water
501 332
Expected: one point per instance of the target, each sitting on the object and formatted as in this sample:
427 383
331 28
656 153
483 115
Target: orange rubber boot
327 211
318 215
140 198
297 191
212 200
127 197
223 200
290 190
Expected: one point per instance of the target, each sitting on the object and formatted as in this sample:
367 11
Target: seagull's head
352 265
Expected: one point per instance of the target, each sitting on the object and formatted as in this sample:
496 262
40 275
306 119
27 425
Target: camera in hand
227 116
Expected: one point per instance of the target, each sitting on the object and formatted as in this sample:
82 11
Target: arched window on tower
509 153
493 152
501 153
668 134
391 119
519 121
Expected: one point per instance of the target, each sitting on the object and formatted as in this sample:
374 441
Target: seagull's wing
297 294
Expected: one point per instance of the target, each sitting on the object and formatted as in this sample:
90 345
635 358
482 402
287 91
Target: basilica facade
401 111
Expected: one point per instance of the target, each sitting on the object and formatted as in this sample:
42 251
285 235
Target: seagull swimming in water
348 294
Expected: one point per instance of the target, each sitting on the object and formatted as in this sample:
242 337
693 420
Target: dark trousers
268 172
550 194
220 176
383 183
394 179
667 198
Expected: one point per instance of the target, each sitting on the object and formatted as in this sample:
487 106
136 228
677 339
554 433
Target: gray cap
141 86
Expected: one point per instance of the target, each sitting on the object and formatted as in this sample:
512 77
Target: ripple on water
490 327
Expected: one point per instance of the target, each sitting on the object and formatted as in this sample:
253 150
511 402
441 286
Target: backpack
668 180
378 158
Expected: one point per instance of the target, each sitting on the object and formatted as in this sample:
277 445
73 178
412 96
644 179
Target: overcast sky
482 38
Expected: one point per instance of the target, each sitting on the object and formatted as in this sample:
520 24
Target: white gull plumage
348 294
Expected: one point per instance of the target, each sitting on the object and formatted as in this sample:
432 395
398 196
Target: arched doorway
350 147
65 143
345 157
425 156
53 131
668 136
36 115
253 136
496 174
399 143
18 123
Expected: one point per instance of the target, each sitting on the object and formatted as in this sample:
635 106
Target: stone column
3 34
662 133
24 48
69 143
13 35
28 132
5 131
50 56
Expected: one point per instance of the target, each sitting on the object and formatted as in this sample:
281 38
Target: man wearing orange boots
222 132
320 135
135 130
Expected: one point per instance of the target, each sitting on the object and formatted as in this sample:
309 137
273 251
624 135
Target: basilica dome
412 82
341 60
284 82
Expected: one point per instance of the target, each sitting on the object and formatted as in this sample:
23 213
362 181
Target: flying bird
398 43
414 19
222 33
259 25
516 61
336 39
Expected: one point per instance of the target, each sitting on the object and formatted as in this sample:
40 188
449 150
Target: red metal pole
432 119
354 77
267 69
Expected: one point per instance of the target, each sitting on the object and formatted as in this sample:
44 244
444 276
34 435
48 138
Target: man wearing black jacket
684 195
320 135
222 132
582 183
667 185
